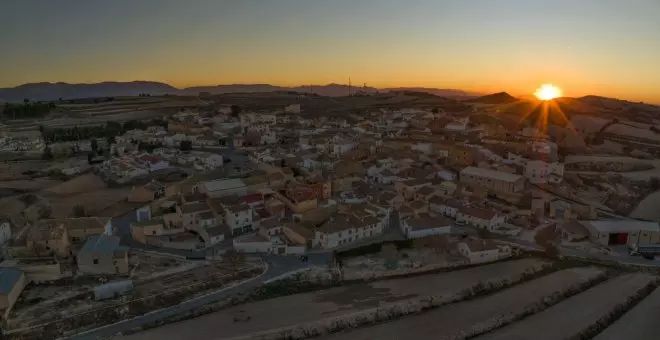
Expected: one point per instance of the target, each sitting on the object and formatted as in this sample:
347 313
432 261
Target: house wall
5 232
443 209
80 234
429 232
293 236
141 195
107 264
60 247
295 249
253 247
239 220
643 237
479 222
140 233
493 184
484 256
8 300
303 206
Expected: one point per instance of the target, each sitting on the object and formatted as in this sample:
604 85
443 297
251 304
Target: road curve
276 267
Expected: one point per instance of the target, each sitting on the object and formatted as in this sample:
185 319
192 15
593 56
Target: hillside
557 111
619 105
495 98
54 91
448 93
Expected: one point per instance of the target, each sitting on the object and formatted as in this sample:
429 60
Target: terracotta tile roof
478 213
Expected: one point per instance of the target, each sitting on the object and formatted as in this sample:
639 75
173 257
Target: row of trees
110 130
26 110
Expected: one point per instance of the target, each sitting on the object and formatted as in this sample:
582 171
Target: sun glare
547 92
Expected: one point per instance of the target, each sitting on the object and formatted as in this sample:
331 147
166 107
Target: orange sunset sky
602 47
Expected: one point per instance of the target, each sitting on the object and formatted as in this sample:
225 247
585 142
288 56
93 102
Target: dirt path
462 319
575 314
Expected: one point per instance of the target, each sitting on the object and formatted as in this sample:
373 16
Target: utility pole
350 93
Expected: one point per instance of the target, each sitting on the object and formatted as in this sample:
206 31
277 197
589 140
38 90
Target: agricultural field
579 314
94 202
80 184
422 259
640 323
274 315
470 318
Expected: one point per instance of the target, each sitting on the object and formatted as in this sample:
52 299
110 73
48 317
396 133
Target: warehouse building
623 232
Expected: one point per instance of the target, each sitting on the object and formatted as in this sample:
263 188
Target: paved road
623 259
278 266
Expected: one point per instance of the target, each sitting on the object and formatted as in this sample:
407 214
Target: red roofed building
301 198
254 200
482 218
153 162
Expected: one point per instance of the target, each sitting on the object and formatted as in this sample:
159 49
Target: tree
655 183
47 154
235 110
185 145
79 211
95 145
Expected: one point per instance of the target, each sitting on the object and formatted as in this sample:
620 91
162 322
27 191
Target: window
96 261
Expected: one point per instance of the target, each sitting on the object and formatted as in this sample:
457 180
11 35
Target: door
622 238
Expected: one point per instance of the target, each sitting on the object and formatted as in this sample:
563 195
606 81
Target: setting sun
547 92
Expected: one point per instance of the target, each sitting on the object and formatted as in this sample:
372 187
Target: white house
480 251
239 218
342 230
341 147
459 126
213 161
384 177
482 218
293 108
425 225
541 172
444 206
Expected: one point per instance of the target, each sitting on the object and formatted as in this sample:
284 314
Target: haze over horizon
599 47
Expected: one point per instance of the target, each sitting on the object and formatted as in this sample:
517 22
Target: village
147 214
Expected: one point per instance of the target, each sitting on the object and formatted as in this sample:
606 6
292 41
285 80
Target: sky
602 47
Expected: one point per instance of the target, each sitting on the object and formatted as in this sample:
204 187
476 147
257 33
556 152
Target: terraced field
464 319
516 300
277 315
640 323
575 316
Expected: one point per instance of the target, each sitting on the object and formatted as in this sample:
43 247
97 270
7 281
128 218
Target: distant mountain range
55 91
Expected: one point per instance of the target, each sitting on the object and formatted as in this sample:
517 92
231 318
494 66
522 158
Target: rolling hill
54 91
495 98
